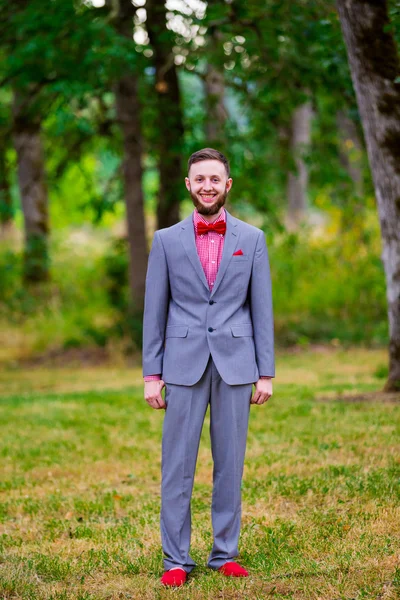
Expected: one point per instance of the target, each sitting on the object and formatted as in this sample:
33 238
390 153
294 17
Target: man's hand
262 392
152 393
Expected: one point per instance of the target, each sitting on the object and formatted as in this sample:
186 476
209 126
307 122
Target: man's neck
211 218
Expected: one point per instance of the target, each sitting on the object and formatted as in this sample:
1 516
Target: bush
326 288
330 288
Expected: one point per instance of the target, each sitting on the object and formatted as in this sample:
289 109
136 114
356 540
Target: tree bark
374 65
214 88
169 118
32 188
128 115
128 111
6 208
216 113
297 184
351 151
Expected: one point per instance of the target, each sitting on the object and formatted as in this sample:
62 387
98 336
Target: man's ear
187 183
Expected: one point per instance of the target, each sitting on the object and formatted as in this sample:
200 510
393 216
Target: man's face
208 185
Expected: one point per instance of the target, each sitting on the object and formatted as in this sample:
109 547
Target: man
207 337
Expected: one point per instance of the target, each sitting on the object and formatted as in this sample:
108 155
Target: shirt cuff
152 378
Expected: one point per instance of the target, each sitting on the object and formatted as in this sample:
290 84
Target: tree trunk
214 88
127 105
297 184
169 118
32 188
351 151
374 65
216 113
6 208
128 115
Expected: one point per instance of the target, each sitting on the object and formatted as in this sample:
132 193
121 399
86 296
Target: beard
209 209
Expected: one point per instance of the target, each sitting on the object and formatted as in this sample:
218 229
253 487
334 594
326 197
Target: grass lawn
80 486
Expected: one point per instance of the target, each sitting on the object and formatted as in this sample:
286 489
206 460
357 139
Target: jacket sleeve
156 302
261 309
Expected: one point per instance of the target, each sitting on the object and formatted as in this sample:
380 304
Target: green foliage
394 17
325 161
324 290
36 260
70 311
65 61
272 55
381 371
129 321
90 191
70 50
116 268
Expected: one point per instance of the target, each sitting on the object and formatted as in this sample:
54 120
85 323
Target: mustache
213 208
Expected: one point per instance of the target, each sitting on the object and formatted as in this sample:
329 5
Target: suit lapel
189 243
231 239
187 236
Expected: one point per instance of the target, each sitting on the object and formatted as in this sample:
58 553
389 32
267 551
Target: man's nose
207 186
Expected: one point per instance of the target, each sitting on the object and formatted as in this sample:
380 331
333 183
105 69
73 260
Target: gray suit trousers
183 422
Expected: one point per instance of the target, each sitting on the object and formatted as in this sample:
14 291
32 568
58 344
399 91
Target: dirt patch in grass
61 357
387 397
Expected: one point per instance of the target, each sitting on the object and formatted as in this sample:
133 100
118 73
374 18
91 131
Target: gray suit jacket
184 322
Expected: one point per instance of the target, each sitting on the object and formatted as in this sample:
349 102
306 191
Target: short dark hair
209 154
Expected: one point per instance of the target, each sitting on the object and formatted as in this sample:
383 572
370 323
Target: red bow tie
218 227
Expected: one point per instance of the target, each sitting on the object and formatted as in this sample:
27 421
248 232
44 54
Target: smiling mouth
208 196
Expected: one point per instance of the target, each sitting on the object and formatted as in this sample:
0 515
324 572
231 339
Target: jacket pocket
240 258
178 331
242 330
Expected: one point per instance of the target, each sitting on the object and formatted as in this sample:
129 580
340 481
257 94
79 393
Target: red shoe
174 577
232 569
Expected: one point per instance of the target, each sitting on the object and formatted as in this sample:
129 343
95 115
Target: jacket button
210 329
211 302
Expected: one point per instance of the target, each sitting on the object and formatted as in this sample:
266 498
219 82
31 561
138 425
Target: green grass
80 479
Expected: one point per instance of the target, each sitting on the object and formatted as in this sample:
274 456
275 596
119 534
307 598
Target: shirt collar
197 217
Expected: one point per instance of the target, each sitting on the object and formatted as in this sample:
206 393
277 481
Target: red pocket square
238 253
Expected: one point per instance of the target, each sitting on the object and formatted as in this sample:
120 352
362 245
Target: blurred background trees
102 103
